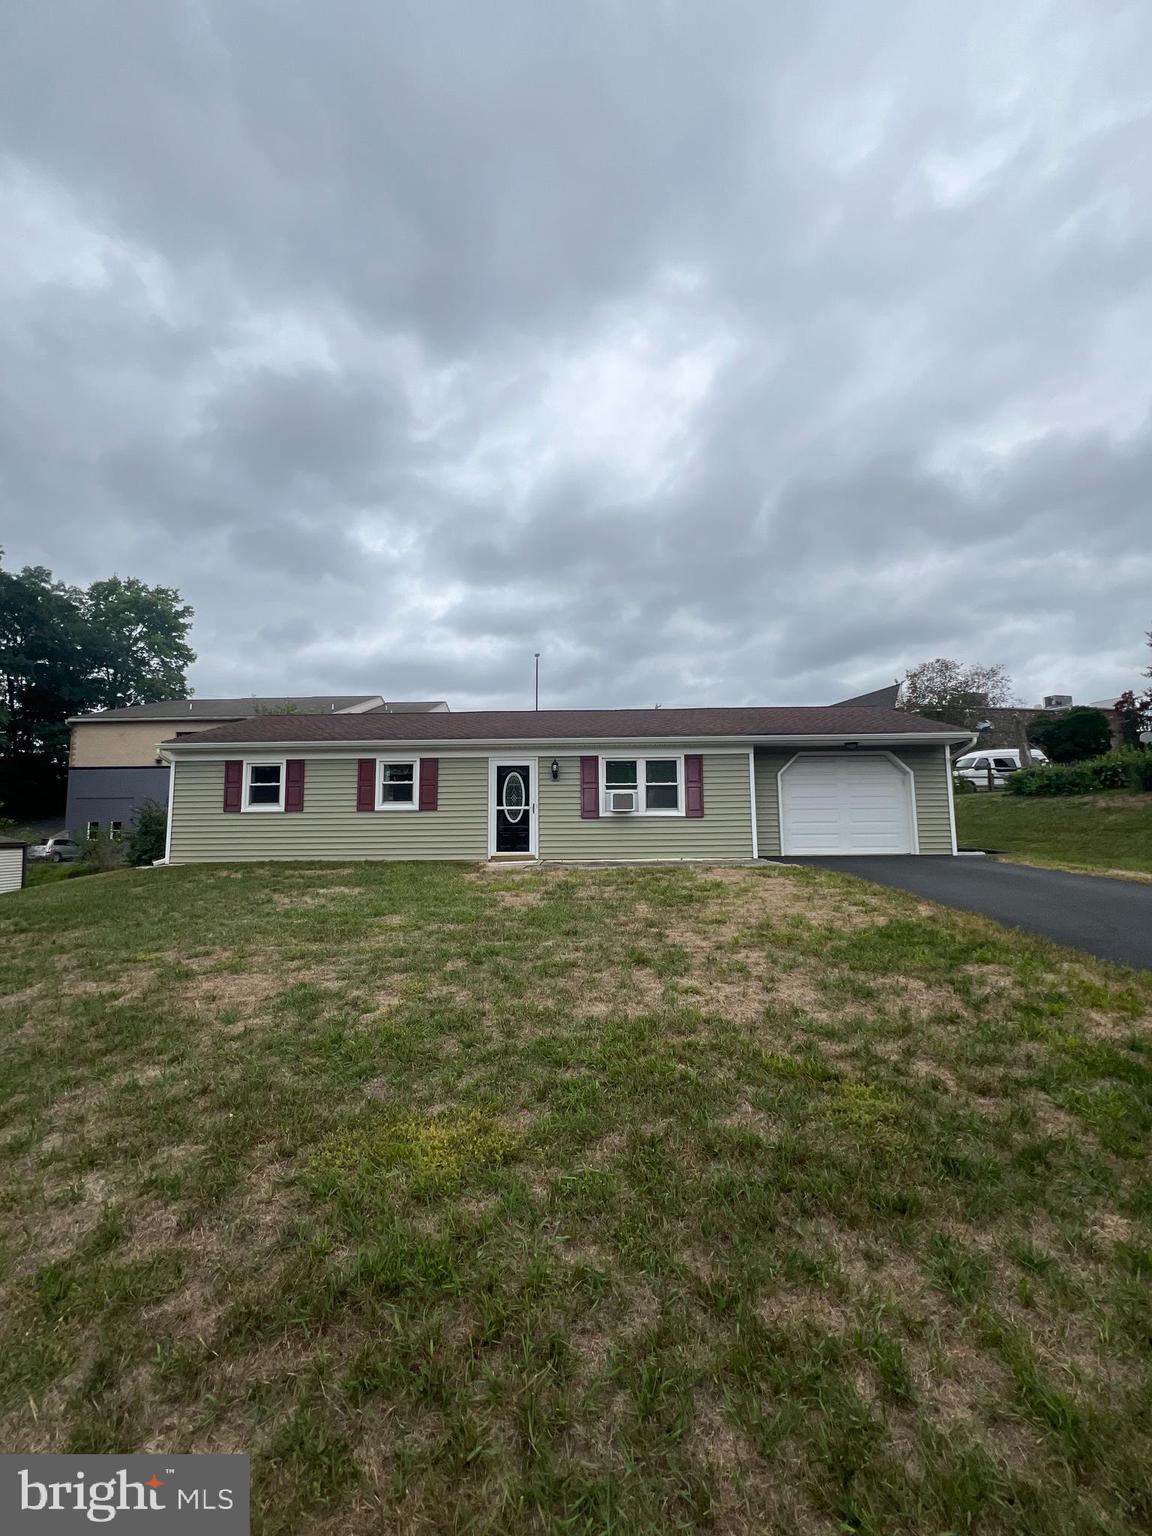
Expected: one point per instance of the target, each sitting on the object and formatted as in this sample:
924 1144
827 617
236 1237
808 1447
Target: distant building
1007 722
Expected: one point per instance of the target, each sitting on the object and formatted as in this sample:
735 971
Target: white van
1003 761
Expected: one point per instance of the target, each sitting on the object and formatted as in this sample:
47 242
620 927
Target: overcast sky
724 353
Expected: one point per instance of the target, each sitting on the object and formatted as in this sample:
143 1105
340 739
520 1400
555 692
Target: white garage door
858 803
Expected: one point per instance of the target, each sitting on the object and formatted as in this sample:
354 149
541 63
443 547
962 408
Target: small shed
13 861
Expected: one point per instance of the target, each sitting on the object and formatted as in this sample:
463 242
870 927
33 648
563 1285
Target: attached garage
847 802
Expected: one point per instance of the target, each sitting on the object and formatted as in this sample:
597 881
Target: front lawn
1097 832
630 1201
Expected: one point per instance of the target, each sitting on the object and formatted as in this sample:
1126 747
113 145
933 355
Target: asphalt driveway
1108 918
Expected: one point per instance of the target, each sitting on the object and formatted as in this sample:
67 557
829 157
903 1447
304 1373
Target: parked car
1003 761
56 850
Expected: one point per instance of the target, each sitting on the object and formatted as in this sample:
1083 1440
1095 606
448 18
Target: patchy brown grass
797 1194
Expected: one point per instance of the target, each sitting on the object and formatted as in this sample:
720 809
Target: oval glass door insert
514 797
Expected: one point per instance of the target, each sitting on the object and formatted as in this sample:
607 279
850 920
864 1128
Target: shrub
80 868
149 834
100 854
1130 768
1073 737
1139 761
963 786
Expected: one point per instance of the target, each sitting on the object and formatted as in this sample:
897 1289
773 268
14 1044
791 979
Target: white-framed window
642 786
116 830
264 784
398 784
92 830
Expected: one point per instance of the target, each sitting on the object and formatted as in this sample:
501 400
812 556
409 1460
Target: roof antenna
536 658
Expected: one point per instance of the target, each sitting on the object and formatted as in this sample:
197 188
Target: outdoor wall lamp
555 769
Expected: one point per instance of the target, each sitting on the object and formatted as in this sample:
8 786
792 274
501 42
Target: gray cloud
723 355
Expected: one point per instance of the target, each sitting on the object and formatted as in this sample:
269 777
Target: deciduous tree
1135 711
65 650
947 690
136 639
1074 736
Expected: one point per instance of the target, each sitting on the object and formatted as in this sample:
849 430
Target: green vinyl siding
930 776
723 832
329 826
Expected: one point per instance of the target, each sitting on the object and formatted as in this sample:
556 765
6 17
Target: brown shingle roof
879 698
239 709
581 724
227 709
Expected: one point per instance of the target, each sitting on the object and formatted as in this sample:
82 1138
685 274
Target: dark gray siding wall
111 794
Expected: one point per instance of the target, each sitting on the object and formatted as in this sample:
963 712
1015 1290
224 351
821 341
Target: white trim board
171 804
752 802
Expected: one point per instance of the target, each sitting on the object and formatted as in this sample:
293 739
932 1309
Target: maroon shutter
694 784
233 785
429 783
589 788
366 784
294 784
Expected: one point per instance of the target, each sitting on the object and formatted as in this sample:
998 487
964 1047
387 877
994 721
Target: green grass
623 1201
1110 831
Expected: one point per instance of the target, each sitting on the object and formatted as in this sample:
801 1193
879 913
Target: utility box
13 862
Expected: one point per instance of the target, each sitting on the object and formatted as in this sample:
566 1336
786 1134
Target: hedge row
1129 768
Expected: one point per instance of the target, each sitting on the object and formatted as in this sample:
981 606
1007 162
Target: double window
115 830
644 786
264 784
398 784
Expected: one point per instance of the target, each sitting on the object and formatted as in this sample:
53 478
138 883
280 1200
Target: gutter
378 744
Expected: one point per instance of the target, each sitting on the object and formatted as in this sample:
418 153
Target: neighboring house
879 698
565 785
114 763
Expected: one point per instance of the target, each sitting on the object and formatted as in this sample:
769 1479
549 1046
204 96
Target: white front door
850 802
512 806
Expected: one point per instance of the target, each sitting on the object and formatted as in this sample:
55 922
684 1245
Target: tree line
65 650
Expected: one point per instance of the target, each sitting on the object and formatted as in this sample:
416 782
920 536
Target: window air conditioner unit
621 799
